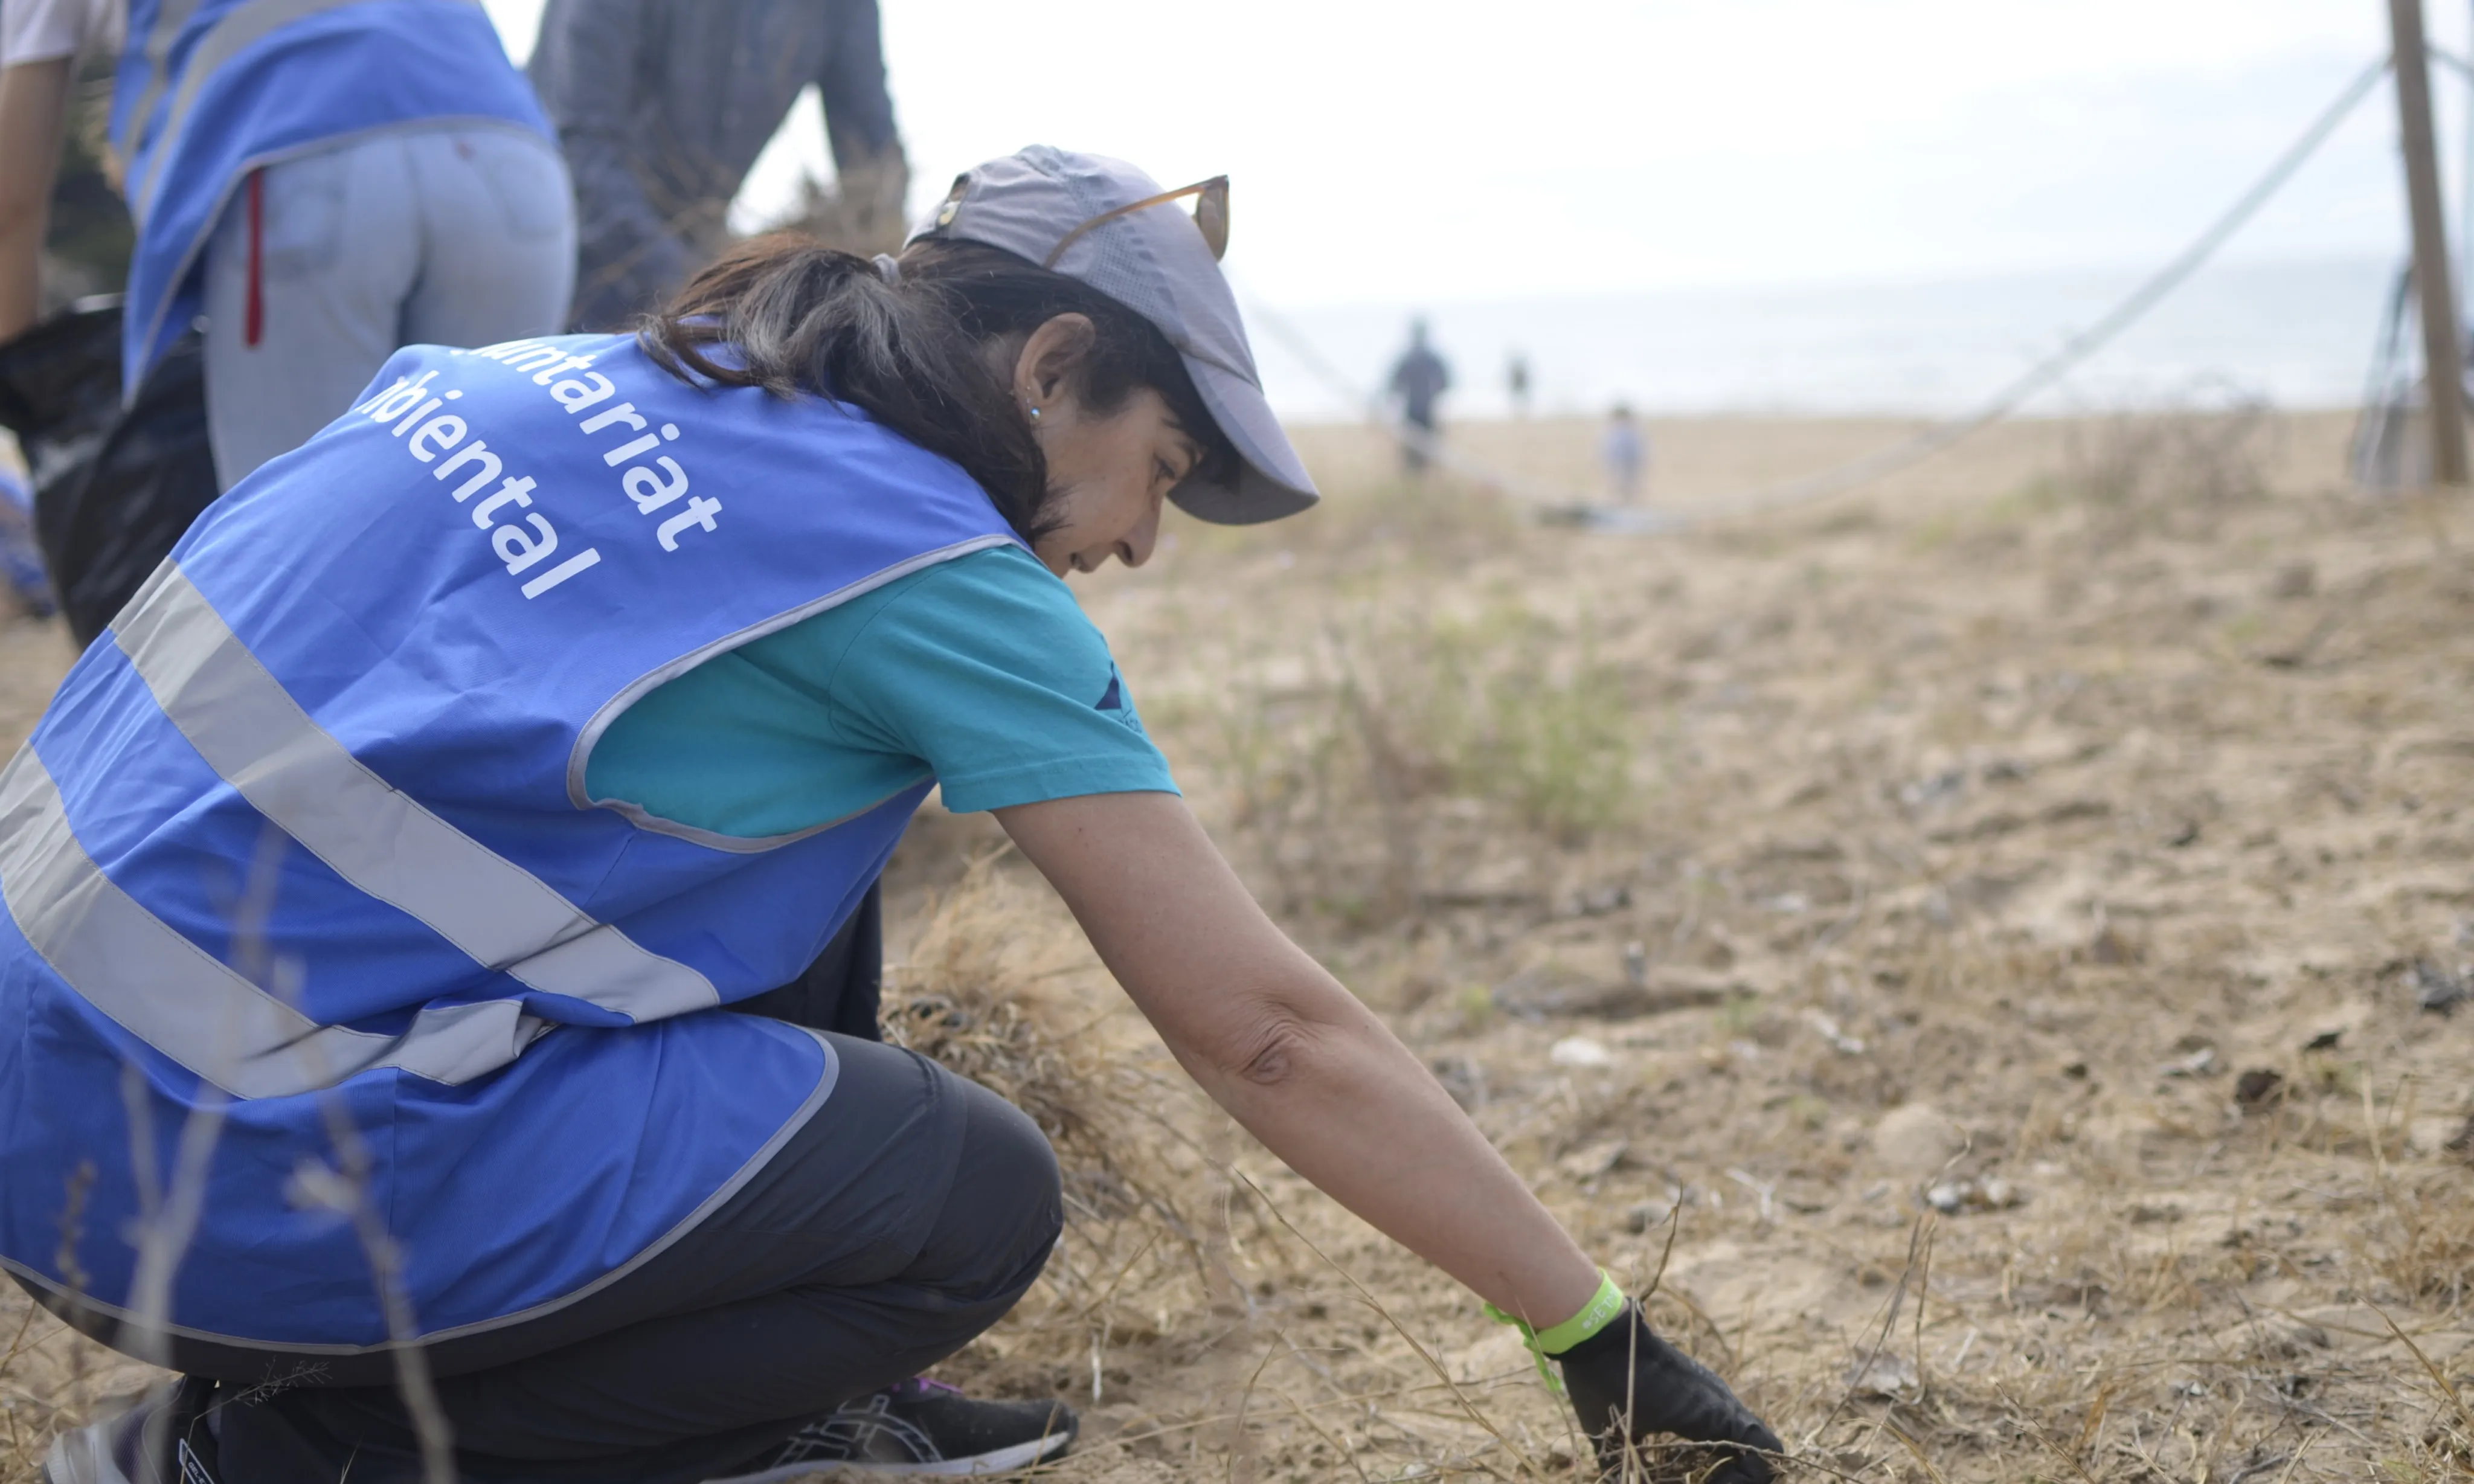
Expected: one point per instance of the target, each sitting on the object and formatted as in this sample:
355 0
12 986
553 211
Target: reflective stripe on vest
179 999
230 35
170 19
258 739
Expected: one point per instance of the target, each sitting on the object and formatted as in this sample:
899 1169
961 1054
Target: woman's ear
1052 358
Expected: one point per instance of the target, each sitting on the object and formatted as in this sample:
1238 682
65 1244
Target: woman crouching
474 828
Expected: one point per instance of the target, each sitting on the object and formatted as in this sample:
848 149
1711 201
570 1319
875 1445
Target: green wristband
1598 1313
1595 1315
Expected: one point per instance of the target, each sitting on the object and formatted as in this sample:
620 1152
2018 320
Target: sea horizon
2296 334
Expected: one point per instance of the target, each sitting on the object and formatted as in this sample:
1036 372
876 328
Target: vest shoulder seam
579 760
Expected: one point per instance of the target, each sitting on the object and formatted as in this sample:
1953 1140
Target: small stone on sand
1916 1140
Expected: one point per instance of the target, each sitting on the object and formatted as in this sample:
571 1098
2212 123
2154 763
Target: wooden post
2444 358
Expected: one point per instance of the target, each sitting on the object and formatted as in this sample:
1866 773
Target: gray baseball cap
1155 262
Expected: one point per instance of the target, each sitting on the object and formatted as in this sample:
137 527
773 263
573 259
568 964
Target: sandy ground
1966 945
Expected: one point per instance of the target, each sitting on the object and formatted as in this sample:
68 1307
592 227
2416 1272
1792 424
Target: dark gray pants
909 1215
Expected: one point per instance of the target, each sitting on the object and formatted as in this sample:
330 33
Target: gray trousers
913 1212
329 262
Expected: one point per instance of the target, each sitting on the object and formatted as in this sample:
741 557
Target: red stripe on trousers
256 328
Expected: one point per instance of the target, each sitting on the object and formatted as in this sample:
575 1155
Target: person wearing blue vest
429 906
321 180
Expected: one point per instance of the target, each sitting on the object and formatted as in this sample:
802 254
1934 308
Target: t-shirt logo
1115 700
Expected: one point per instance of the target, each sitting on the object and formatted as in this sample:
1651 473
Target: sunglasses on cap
1210 217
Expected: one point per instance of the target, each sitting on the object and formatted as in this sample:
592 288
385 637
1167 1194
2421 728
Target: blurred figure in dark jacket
664 105
1418 380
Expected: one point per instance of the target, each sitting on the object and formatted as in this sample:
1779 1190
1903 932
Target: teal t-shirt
980 673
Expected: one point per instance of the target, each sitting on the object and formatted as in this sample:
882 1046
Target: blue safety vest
307 831
211 90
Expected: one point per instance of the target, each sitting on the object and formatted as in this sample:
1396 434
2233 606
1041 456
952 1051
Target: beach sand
1698 462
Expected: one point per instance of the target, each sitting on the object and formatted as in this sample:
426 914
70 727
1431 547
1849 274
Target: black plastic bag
59 387
115 488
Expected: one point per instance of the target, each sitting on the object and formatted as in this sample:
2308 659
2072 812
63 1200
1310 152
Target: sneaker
921 1426
170 1417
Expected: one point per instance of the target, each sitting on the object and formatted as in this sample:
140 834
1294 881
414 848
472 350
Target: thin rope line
1922 446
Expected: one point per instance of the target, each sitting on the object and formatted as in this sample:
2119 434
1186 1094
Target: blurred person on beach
663 107
322 183
1624 449
549 721
1419 378
1515 382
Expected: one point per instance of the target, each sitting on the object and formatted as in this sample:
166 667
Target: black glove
1670 1392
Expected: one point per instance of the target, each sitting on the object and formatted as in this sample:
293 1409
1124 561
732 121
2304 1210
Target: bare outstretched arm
1293 1056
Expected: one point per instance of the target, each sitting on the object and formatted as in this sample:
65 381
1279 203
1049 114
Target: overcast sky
1448 151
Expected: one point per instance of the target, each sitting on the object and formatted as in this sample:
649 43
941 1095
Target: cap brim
1271 481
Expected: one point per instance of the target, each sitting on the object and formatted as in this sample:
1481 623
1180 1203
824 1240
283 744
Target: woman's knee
1005 1208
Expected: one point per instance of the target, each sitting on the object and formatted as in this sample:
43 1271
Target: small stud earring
1034 414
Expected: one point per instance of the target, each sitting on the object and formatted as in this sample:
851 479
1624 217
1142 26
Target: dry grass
2105 793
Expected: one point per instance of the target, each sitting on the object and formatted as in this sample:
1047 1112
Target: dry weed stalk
171 1208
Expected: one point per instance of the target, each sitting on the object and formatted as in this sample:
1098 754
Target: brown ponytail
795 317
